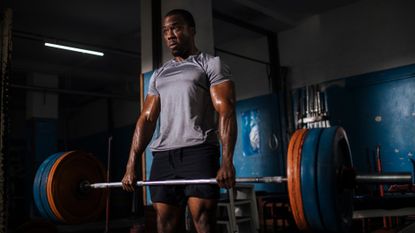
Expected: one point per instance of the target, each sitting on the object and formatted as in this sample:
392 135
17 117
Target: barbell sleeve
266 179
388 178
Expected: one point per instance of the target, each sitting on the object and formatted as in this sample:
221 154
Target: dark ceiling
114 28
106 26
276 15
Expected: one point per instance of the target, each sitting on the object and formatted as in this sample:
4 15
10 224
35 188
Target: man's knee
205 222
202 218
203 213
168 217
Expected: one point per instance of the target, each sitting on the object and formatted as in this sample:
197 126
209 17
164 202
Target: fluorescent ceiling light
74 49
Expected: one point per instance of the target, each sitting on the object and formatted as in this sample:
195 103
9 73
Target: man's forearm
228 133
144 128
142 135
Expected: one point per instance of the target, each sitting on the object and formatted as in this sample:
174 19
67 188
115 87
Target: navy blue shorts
196 162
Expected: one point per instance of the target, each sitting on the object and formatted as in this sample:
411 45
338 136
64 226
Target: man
185 92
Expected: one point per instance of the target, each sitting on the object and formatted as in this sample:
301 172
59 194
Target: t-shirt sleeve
217 71
152 90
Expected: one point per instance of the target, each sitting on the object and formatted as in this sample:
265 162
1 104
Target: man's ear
193 30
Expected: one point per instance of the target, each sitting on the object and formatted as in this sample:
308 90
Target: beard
177 52
180 52
182 49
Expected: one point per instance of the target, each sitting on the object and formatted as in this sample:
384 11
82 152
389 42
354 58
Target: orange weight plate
294 178
68 202
52 206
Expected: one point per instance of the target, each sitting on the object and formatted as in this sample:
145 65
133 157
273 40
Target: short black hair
187 16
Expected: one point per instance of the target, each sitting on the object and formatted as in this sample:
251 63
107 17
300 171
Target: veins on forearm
227 134
223 98
144 128
142 136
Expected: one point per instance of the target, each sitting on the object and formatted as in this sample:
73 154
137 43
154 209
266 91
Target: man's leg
169 217
203 213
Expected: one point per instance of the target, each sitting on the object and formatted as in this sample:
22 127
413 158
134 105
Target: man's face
177 35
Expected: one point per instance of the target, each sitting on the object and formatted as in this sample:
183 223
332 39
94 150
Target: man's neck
191 52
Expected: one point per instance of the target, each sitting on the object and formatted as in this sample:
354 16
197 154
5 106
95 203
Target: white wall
370 35
250 77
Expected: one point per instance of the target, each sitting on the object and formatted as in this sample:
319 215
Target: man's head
179 32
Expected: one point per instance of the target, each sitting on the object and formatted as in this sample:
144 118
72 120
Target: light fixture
74 49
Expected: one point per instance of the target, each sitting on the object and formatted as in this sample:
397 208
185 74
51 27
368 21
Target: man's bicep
223 96
151 108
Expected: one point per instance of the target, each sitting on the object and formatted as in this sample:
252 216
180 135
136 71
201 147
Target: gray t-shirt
187 116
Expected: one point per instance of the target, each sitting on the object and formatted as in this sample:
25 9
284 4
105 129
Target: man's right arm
143 133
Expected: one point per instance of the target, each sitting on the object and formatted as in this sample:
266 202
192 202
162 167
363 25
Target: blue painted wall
148 154
266 157
377 109
42 138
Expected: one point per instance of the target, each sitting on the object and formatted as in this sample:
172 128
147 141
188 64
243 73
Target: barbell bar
320 178
266 179
388 178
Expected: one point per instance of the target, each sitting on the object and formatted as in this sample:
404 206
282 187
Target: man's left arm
223 98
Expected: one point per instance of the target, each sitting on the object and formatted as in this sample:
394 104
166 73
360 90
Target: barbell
320 180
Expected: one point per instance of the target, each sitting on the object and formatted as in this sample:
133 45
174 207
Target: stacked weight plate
315 165
57 192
